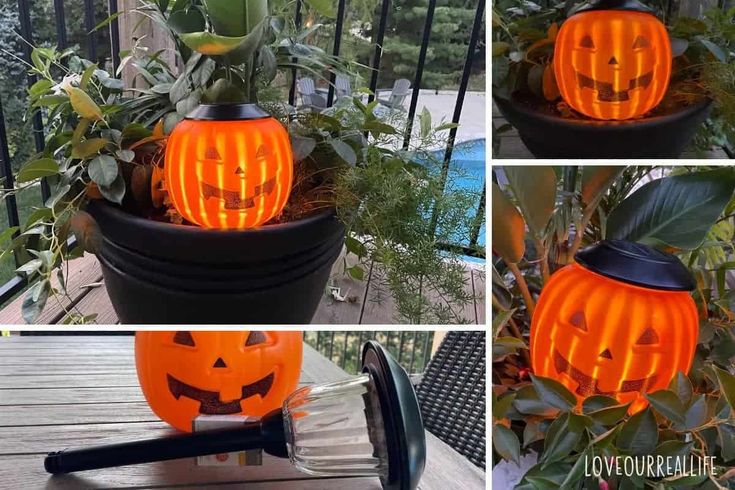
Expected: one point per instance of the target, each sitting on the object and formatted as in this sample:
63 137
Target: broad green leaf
535 191
500 319
30 267
236 17
211 44
356 272
716 50
37 169
726 434
609 415
554 393
87 231
190 20
560 440
544 477
676 210
639 434
528 402
596 180
506 443
37 215
302 146
508 227
35 300
344 151
674 448
696 414
88 147
103 170
667 403
503 346
682 386
83 104
727 385
597 402
114 192
324 7
578 470
502 405
532 433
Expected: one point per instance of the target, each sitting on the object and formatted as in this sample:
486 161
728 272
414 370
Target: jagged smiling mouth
233 200
209 401
605 91
587 385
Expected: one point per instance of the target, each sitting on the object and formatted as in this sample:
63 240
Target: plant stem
543 253
586 217
516 332
523 286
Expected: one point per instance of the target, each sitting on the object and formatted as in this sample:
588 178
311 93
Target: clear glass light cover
337 429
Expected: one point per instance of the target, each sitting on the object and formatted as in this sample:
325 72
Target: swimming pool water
467 170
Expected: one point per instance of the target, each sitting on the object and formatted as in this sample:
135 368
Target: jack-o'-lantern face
229 174
600 336
612 64
186 374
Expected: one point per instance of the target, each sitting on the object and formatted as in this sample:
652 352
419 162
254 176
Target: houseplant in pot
576 86
110 157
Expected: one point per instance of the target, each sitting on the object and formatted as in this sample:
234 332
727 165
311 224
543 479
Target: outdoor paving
472 123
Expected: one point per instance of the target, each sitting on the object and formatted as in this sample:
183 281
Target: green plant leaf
667 403
83 104
596 180
103 170
535 190
356 272
727 385
508 227
674 448
726 434
87 148
35 300
236 17
609 415
528 402
676 210
37 169
597 402
323 7
696 414
506 443
561 438
501 406
189 20
682 386
211 44
302 146
639 434
716 51
114 192
344 151
578 470
500 319
553 392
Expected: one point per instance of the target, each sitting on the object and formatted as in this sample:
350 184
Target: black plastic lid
638 264
227 112
632 5
401 416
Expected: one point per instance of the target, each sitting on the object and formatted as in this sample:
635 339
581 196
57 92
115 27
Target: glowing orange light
229 174
612 64
597 335
186 374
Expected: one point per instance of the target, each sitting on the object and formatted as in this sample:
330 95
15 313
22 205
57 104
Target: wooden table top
58 392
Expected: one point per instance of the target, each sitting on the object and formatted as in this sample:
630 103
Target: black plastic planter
551 136
174 274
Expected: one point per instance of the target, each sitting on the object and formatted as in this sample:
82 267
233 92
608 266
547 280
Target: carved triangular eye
577 319
649 336
587 42
184 338
256 338
641 42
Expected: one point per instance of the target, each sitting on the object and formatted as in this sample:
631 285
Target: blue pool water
467 171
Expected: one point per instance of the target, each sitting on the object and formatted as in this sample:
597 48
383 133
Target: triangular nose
612 61
239 171
606 354
219 363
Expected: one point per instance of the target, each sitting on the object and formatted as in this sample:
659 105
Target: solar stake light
368 425
618 322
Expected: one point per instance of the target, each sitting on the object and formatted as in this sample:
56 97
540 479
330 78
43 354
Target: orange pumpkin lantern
186 374
619 322
229 166
613 60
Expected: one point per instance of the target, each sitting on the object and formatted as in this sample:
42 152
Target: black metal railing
412 350
470 248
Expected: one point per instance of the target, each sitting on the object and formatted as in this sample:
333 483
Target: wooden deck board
54 407
363 303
